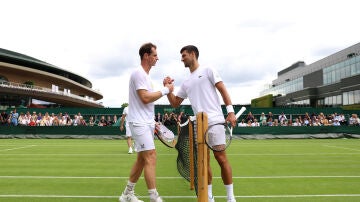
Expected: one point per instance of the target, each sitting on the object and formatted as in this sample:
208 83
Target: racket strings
219 147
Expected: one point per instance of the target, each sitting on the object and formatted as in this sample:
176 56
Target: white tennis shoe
129 198
211 199
158 199
130 150
232 200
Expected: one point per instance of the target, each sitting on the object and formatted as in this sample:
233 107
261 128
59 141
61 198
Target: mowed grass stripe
261 168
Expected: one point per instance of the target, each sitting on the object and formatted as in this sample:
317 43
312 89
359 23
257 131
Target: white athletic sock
230 191
153 194
129 187
210 191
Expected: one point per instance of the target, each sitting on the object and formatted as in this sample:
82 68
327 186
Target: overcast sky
248 42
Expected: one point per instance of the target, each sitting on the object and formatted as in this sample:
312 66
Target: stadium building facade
24 79
333 81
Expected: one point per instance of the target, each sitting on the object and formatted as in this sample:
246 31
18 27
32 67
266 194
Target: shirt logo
200 76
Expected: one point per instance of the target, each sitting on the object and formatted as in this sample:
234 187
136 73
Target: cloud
248 42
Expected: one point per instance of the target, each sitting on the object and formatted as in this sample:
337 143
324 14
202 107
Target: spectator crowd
172 119
61 119
282 119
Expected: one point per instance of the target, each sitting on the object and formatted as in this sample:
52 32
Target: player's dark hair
189 49
146 48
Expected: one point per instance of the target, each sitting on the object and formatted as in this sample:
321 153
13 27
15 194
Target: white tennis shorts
216 135
143 135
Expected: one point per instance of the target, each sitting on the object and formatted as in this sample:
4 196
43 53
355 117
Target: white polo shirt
201 91
138 111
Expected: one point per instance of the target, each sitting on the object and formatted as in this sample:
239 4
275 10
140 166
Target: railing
34 88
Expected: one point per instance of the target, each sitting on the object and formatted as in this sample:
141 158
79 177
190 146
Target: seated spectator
76 120
91 121
301 121
336 122
158 118
270 121
263 119
32 122
55 121
22 120
270 115
255 123
242 123
102 121
4 118
316 123
276 122
306 121
282 118
27 117
52 117
46 119
354 120
38 118
249 123
82 122
109 121
284 123
326 122
182 118
115 119
250 117
342 120
289 122
297 122
68 121
167 120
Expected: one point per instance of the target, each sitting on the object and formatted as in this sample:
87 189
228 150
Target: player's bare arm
122 122
220 86
148 97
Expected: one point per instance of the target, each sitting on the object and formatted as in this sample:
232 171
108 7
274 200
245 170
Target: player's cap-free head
191 48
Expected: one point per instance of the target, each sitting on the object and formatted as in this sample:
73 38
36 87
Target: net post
202 159
191 155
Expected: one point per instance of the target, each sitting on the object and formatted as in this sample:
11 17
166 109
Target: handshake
168 86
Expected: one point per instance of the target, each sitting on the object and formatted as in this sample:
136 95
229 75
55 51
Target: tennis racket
221 128
166 136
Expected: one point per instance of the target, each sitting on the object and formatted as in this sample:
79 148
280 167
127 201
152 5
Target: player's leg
226 173
146 151
150 174
136 170
128 136
210 194
129 145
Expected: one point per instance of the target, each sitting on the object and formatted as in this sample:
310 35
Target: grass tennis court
59 170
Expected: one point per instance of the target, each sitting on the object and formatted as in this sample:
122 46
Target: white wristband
164 91
229 108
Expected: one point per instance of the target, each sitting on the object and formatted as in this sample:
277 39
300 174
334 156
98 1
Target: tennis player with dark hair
141 122
201 88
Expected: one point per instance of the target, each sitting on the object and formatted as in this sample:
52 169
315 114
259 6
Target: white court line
18 148
179 177
295 154
162 154
346 148
253 196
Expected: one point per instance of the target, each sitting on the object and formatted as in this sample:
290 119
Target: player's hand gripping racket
165 135
218 128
